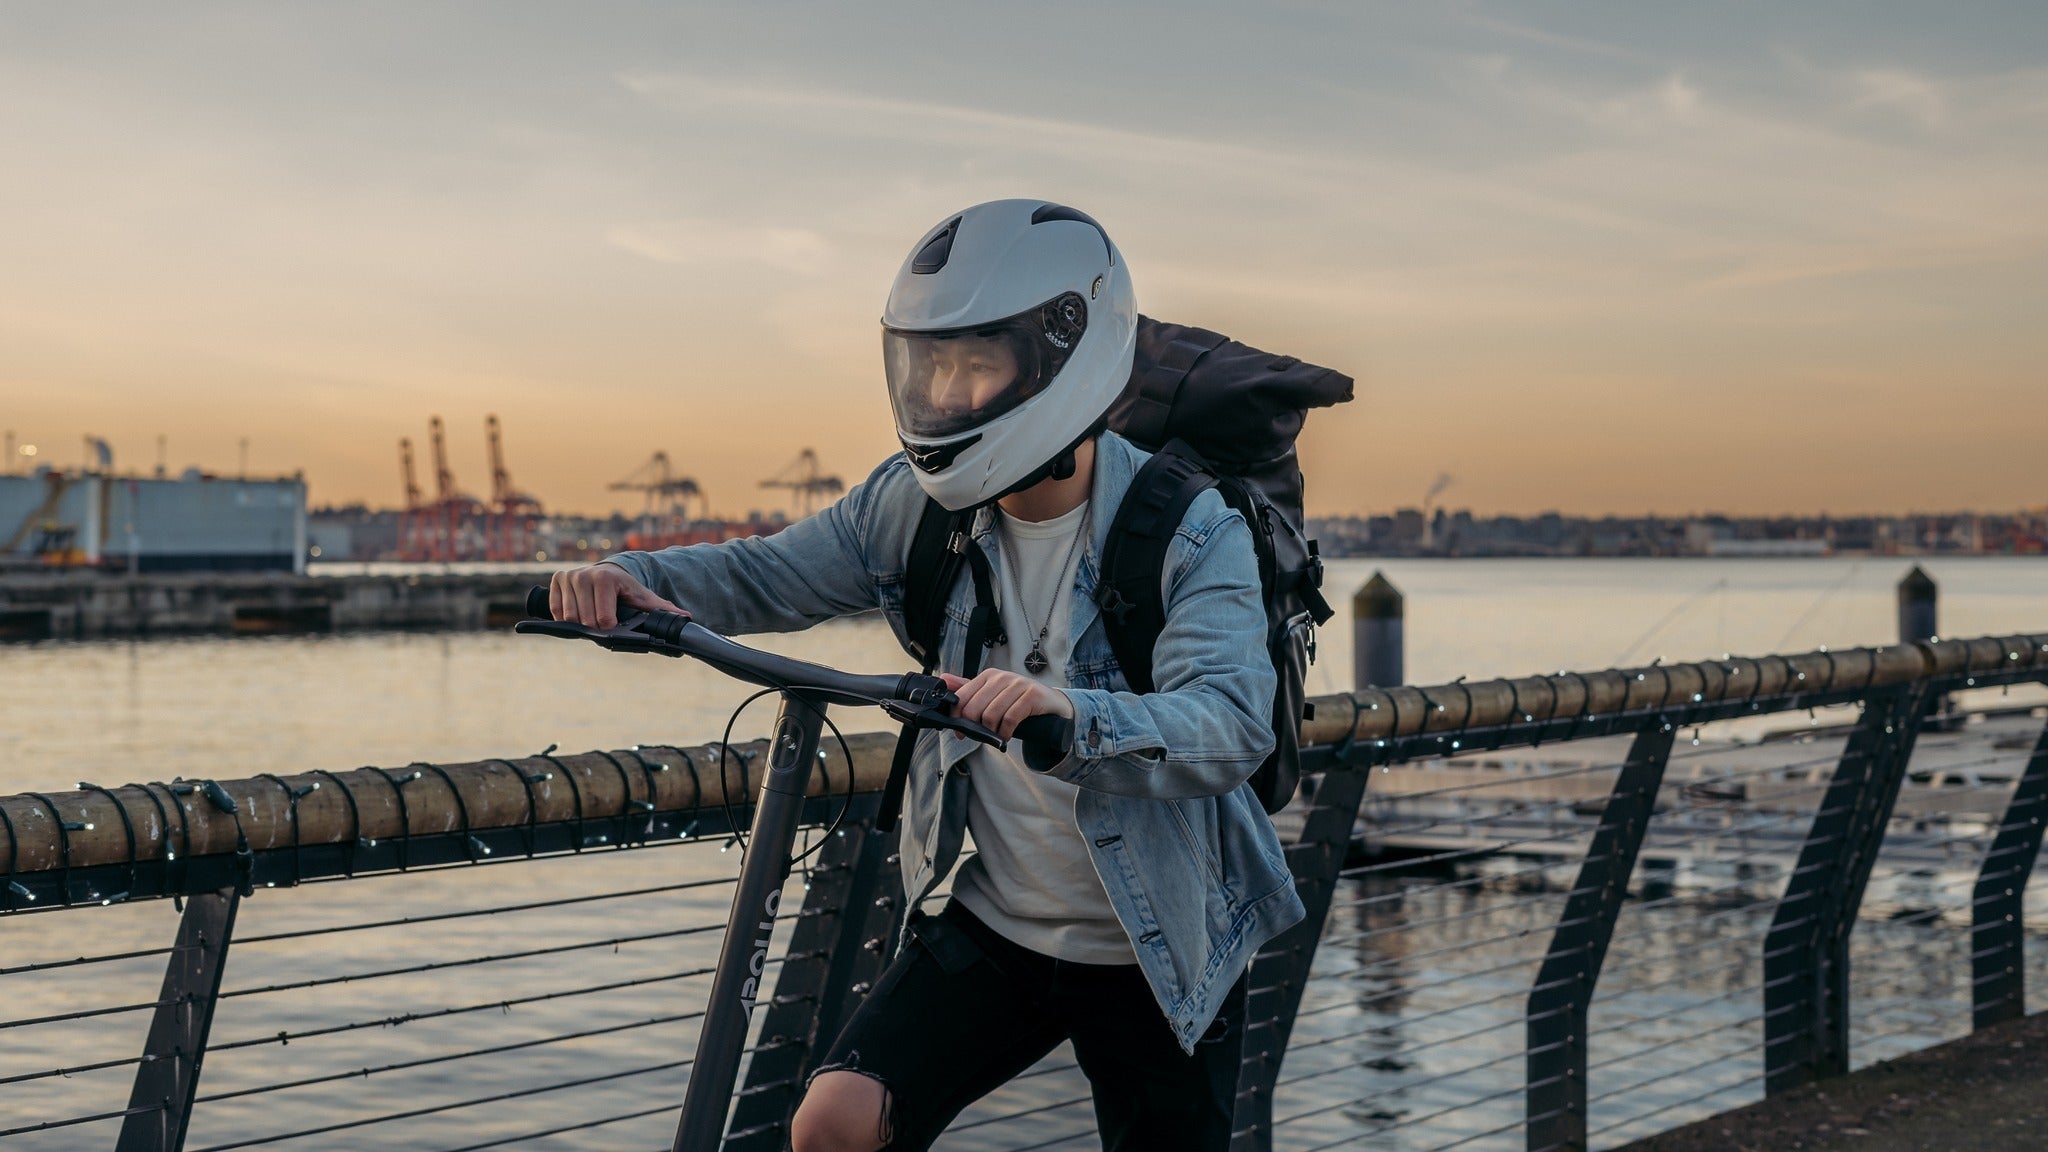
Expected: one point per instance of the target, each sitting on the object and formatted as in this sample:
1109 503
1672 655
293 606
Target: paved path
1987 1092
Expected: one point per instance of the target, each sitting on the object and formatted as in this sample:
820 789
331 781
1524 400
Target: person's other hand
591 596
999 700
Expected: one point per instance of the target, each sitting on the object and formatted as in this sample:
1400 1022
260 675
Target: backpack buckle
1112 602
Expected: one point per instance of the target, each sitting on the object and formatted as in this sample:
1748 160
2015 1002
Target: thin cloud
707 242
1916 96
1472 18
1791 266
1330 178
883 115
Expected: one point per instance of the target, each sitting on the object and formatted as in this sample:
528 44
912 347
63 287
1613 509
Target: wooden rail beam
157 823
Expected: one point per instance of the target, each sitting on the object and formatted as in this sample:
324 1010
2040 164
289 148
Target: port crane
509 535
446 529
455 510
412 526
668 495
807 484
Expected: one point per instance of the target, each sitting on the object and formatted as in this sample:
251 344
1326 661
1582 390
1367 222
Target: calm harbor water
1410 1036
112 711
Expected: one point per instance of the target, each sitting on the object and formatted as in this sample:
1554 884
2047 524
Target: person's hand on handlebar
591 596
1000 700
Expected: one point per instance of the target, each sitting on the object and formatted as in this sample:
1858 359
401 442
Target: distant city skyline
1599 258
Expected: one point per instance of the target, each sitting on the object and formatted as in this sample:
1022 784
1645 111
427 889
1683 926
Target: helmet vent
932 256
1050 212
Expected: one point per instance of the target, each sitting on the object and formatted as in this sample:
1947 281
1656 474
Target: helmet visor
944 383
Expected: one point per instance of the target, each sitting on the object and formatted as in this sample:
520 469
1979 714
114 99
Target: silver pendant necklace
1035 661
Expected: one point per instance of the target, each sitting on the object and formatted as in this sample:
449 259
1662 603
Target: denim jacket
1185 851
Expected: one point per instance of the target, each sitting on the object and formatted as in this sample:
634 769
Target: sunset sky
1595 257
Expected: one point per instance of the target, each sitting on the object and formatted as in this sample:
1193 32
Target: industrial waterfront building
192 522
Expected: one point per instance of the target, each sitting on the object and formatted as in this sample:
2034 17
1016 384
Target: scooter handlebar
1045 737
1052 733
675 634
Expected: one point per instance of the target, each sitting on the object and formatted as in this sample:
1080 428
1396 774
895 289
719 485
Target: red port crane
806 483
453 515
510 535
412 526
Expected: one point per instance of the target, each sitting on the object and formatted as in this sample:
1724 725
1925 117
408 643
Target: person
1121 879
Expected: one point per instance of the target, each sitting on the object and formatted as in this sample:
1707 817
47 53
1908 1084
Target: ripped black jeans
962 1010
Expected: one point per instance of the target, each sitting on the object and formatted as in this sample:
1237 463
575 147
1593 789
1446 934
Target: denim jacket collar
1116 465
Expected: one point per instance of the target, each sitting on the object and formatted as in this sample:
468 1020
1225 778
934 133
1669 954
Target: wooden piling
1378 641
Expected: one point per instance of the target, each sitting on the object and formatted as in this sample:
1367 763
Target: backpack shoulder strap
937 549
1134 559
928 576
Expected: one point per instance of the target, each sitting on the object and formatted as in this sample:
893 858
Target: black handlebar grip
537 603
664 626
1045 739
1046 729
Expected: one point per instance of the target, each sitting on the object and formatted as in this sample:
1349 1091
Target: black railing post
1806 952
1280 971
865 943
168 1076
1563 993
837 948
1998 939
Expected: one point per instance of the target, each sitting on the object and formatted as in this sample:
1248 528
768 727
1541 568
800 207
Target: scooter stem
736 984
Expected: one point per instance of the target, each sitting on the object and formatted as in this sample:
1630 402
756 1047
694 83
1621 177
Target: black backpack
1215 414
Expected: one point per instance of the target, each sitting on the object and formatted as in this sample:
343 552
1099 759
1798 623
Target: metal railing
1463 907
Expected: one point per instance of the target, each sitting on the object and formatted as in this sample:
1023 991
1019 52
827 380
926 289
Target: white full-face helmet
1008 335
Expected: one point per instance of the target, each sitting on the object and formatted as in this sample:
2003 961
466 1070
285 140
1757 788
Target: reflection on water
1412 1029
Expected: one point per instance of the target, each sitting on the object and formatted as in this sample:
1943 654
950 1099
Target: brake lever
935 717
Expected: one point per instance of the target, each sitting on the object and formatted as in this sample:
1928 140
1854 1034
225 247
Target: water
110 711
1385 1051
